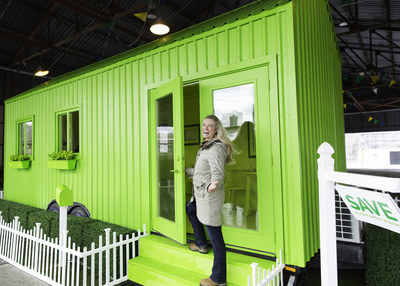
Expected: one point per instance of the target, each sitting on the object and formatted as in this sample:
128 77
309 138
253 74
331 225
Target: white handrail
327 177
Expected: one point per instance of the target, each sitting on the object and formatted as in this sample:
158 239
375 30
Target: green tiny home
270 70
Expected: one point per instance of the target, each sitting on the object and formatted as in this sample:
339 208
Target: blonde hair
223 137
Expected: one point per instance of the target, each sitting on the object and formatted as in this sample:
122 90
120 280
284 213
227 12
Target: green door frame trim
271 61
177 229
261 239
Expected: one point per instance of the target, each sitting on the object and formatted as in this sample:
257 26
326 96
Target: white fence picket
60 263
260 277
84 266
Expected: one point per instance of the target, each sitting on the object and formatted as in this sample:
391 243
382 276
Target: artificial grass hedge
83 231
383 256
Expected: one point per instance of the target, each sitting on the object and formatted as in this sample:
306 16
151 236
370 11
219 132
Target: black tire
79 209
53 206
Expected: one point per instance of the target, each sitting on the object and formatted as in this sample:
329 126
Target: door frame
270 60
267 132
176 229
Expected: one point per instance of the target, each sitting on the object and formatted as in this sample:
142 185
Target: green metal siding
320 118
112 175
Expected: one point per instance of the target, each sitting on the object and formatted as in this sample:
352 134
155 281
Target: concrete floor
12 276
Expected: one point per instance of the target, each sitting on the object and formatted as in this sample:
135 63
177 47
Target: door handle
175 171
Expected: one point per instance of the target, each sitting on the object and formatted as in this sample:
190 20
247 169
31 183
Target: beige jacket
209 167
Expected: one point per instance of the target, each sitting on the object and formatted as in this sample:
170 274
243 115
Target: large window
373 150
234 106
25 136
68 131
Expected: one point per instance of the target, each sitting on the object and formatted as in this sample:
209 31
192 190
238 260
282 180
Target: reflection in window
25 145
165 158
234 106
69 131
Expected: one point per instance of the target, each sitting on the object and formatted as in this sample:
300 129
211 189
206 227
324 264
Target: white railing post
254 273
62 222
327 217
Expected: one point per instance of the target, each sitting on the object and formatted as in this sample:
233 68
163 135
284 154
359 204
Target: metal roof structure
368 34
65 35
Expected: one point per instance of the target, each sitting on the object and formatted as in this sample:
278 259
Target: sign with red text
372 207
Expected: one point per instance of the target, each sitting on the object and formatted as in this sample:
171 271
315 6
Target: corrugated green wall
320 118
112 176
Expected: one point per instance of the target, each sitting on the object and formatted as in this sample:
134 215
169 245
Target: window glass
63 132
165 158
74 131
234 106
69 131
21 148
25 144
28 138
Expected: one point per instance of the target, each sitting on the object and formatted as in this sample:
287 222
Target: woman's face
208 129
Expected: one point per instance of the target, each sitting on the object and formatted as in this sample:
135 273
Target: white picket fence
65 264
274 276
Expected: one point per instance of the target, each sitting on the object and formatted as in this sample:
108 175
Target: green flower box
19 164
62 164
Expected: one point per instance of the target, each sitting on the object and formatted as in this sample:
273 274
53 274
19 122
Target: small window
68 131
25 137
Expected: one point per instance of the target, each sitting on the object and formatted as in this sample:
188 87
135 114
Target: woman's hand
212 187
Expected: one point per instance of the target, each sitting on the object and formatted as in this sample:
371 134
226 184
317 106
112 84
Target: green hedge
383 257
5 207
83 231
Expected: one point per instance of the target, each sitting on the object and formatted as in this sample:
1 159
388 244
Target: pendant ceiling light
41 72
159 28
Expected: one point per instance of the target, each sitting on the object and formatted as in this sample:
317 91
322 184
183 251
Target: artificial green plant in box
19 161
62 160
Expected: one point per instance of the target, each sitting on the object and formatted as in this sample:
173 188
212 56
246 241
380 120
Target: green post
64 196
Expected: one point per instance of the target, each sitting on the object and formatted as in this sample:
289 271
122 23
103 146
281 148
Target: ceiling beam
379 105
351 58
85 31
35 43
367 48
344 19
179 12
389 60
357 104
94 13
207 9
348 47
387 39
39 26
362 28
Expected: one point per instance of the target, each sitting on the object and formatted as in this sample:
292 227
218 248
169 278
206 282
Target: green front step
162 261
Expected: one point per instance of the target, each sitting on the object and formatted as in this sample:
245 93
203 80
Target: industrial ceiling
64 35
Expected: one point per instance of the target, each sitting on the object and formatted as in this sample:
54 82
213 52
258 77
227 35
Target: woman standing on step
205 206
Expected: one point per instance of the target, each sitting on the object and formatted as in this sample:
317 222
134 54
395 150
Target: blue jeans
217 241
